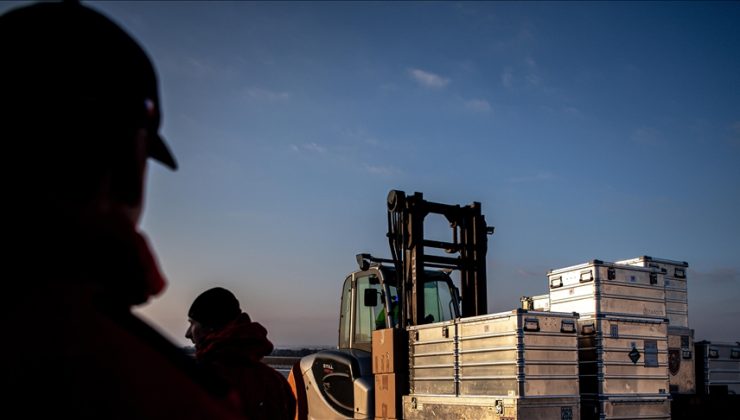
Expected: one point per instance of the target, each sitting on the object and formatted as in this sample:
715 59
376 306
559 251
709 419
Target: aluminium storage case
622 337
676 287
517 364
598 287
541 302
623 367
717 367
681 361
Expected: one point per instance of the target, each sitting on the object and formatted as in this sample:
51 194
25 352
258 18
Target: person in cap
80 114
228 343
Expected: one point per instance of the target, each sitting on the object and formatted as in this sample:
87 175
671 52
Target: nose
188 333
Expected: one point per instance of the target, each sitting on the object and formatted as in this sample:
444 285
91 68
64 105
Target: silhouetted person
228 342
79 116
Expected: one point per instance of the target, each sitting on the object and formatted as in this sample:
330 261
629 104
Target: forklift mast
406 216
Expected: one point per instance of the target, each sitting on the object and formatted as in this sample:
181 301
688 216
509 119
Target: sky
586 130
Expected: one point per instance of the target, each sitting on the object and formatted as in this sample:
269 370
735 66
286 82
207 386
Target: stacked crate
390 367
512 365
718 367
681 356
622 337
676 290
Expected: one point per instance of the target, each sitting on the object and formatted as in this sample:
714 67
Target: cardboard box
388 395
390 350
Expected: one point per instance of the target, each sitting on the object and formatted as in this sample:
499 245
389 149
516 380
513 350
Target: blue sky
586 130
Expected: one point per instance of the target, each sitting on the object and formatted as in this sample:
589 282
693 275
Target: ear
128 169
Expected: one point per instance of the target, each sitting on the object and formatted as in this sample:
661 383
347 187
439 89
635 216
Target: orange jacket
236 353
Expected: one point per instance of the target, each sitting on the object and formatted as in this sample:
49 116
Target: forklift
413 287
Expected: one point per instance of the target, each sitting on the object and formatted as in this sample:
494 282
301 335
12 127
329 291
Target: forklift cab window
438 302
367 313
345 319
381 321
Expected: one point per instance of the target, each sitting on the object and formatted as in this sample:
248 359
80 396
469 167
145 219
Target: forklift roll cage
413 279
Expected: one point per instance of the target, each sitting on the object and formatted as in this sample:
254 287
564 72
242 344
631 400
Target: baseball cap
67 63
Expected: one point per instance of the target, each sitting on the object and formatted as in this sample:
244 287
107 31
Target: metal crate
676 290
433 358
518 353
597 288
626 408
623 357
681 361
718 367
423 407
541 302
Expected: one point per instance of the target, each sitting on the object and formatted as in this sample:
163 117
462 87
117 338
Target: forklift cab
371 300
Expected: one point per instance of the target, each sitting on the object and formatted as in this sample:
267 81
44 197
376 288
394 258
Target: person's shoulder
97 365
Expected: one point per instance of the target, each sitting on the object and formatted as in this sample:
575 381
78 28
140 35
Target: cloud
541 176
386 171
735 130
267 95
572 111
533 79
507 78
199 67
479 105
646 136
428 79
523 272
308 147
722 275
527 71
530 62
359 136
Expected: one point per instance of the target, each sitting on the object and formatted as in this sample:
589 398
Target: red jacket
236 353
72 347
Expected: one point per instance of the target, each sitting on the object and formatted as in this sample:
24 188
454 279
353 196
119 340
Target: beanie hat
215 308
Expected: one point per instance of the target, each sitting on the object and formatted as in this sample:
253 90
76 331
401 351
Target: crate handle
567 326
587 275
531 324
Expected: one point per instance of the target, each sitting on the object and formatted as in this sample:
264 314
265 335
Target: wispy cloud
527 74
646 136
518 38
267 95
308 147
533 79
198 67
478 105
572 111
722 275
735 132
528 273
428 79
538 177
386 171
358 135
507 78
